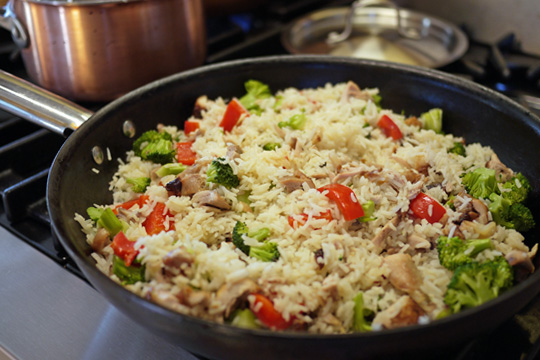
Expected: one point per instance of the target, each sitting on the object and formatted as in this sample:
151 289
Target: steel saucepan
99 50
472 111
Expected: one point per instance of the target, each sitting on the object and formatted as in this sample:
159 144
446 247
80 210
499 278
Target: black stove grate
27 151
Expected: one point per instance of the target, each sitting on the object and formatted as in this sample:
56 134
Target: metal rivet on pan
97 155
128 128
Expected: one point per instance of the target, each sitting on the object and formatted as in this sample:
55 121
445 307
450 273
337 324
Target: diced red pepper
233 113
184 154
299 220
155 222
265 311
124 248
389 127
345 199
141 200
425 207
191 126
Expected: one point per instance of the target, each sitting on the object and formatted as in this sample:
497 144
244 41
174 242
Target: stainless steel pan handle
40 106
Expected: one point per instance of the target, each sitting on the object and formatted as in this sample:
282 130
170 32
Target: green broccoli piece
170 169
219 172
510 215
473 284
110 222
450 202
455 252
296 122
433 120
480 183
271 146
376 98
127 274
256 90
517 193
267 252
360 322
458 149
139 184
244 319
244 197
94 213
369 209
155 146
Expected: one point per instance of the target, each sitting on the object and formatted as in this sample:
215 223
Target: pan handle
40 106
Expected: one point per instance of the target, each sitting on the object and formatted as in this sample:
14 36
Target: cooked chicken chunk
230 294
501 171
296 181
379 239
212 199
353 91
403 312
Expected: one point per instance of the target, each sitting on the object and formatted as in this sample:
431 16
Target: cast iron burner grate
27 151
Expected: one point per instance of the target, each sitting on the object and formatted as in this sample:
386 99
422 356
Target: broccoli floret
267 252
170 169
127 274
360 322
433 120
256 90
511 216
369 209
244 319
458 149
271 146
480 183
155 146
139 184
474 283
219 172
455 252
110 222
517 193
296 122
450 202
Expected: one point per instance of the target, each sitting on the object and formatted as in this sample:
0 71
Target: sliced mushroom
501 171
379 239
192 184
212 199
296 181
229 295
174 187
353 91
234 151
482 210
521 262
101 240
405 311
201 104
176 259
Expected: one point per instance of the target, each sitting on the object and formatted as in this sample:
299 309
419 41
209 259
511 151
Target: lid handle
334 37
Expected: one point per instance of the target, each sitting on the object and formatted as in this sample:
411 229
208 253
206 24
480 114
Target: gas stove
50 311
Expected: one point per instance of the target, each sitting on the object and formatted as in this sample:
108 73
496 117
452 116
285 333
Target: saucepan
98 50
78 178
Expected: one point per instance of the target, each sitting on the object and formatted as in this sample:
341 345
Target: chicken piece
502 173
521 262
129 215
418 243
379 239
413 121
201 104
484 231
234 151
212 199
353 91
230 294
164 298
351 173
191 184
176 260
296 181
403 312
101 240
192 298
482 210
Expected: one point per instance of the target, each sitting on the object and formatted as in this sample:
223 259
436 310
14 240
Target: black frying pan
472 111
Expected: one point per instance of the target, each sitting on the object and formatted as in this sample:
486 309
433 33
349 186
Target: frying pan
470 110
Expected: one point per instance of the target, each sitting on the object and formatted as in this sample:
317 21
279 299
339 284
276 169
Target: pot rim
79 3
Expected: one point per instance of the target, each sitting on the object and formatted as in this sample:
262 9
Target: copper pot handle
40 106
9 21
334 37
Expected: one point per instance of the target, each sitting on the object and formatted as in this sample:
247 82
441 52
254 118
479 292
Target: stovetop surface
23 175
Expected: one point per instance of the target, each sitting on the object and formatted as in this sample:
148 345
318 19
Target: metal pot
79 178
98 50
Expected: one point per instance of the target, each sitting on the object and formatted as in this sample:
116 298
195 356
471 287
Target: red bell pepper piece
141 200
124 248
184 154
191 126
265 311
232 114
425 207
389 127
155 222
345 199
295 222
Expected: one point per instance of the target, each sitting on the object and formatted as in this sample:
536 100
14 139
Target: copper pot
98 50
